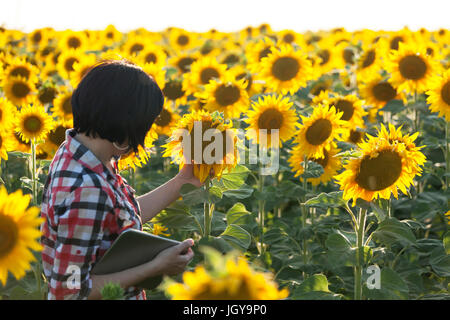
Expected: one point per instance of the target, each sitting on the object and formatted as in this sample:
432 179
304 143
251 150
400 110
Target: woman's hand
186 175
174 259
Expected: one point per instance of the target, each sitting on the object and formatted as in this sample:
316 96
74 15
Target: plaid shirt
85 207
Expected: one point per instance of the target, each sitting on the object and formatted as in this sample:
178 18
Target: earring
120 148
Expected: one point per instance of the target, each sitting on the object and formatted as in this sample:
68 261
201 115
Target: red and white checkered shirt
85 207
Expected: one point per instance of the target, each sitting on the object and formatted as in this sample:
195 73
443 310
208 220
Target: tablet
132 248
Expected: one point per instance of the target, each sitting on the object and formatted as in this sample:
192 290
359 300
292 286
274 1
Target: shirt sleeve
80 227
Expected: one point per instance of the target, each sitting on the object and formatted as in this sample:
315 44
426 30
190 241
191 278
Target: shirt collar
82 154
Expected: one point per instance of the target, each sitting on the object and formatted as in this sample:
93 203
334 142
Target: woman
86 203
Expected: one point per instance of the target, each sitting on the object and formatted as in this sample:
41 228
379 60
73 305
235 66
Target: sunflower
319 130
156 72
38 38
231 57
152 54
410 68
182 40
447 216
33 123
134 44
182 62
131 160
80 68
352 109
285 70
255 51
54 139
377 92
193 124
110 35
202 71
6 144
368 62
324 96
354 136
252 87
66 61
173 91
166 120
7 111
236 282
47 93
19 232
439 95
321 85
330 162
41 154
20 67
226 95
345 55
18 90
415 158
62 107
269 113
383 168
73 40
209 48
159 230
19 144
328 55
291 37
394 39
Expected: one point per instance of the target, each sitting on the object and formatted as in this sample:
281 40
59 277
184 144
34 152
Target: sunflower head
166 120
439 95
62 107
319 131
271 119
351 108
18 233
207 140
286 70
18 90
227 95
330 163
33 122
389 162
231 278
202 71
377 91
411 68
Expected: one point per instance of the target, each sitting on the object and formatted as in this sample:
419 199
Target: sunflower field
356 126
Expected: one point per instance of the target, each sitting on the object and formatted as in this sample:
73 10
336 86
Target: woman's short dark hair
116 100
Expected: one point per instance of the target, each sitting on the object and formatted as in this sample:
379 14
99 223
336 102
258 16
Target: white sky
225 15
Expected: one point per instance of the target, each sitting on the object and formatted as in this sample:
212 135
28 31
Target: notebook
132 248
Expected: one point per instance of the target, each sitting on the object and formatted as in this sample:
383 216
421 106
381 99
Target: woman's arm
156 200
170 261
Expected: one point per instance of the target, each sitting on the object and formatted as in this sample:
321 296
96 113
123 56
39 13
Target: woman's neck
100 147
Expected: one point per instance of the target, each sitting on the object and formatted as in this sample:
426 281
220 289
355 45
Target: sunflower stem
207 212
38 276
261 205
360 254
304 215
416 114
33 172
447 157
